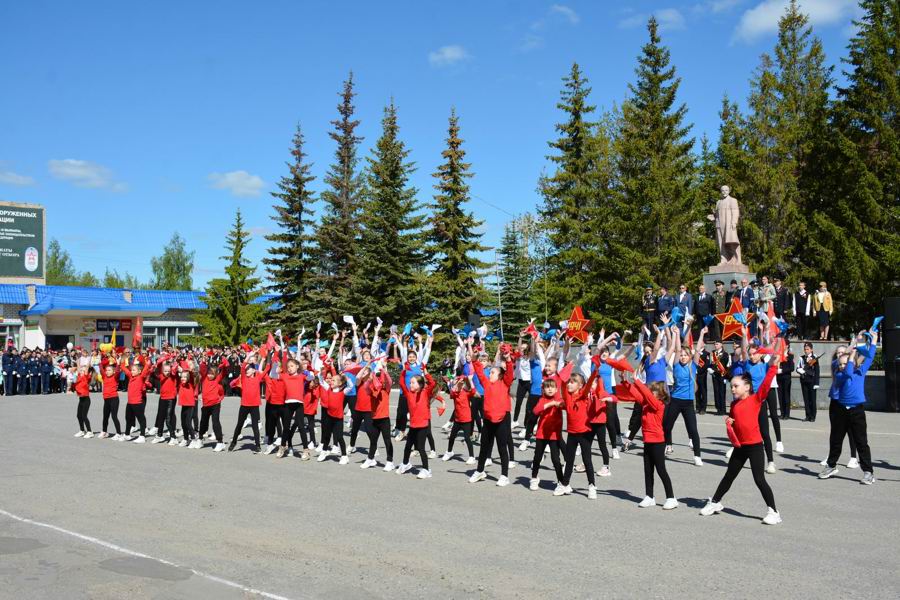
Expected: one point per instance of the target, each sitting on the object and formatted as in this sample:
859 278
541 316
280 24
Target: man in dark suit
665 304
782 301
720 363
702 372
732 292
704 306
685 301
748 303
802 308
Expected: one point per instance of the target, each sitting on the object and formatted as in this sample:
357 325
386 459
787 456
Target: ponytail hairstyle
660 390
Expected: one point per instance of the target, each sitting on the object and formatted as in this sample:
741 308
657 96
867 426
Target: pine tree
453 238
336 236
289 258
657 172
514 280
175 268
390 251
232 315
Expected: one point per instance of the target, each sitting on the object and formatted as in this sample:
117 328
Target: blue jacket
686 304
851 382
665 304
747 297
8 362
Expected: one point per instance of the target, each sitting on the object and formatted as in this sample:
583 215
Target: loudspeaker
892 384
891 313
890 344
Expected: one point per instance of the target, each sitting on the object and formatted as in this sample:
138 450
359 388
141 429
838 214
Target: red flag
620 364
531 330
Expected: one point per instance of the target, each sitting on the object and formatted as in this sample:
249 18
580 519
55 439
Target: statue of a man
726 219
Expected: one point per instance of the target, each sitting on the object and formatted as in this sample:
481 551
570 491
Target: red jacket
187 392
597 408
274 388
652 409
746 412
419 401
333 402
311 403
496 393
364 394
550 420
294 385
110 384
249 387
577 406
462 405
211 389
168 385
136 384
83 386
381 395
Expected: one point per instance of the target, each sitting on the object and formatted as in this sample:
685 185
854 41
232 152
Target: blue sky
131 121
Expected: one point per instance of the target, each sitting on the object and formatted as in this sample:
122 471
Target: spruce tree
514 280
657 171
454 291
289 258
336 236
231 316
390 251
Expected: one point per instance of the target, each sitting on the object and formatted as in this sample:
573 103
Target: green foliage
174 269
232 316
112 279
61 269
514 280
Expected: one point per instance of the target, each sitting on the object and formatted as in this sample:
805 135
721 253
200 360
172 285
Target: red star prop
578 325
730 326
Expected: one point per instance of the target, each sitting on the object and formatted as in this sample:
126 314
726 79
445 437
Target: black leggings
531 419
466 429
187 422
584 441
634 423
682 407
613 426
333 433
521 393
165 415
206 413
539 446
764 430
382 426
361 419
502 432
598 430
243 413
291 421
310 424
416 437
655 458
757 464
273 422
111 409
132 412
772 402
809 399
478 412
402 413
84 405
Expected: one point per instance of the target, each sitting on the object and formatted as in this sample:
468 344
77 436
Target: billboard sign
21 241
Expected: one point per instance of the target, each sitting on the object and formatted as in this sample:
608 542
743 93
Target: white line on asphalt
117 548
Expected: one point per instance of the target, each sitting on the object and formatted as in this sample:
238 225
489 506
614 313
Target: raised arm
698 349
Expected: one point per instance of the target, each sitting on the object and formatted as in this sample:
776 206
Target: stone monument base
726 273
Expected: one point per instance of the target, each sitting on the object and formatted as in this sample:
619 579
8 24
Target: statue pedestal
726 273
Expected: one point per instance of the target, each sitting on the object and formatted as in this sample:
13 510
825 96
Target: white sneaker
669 450
403 469
183 444
523 446
447 456
522 434
513 464
345 460
616 454
368 463
173 442
446 426
178 433
729 452
711 508
771 468
140 440
310 446
278 441
322 456
477 476
136 429
670 503
432 454
388 467
592 492
646 502
698 462
158 440
79 434
151 431
119 437
103 435
853 463
219 447
471 460
604 471
779 448
534 485
88 435
824 462
488 462
196 445
772 517
559 490
503 481
269 449
424 474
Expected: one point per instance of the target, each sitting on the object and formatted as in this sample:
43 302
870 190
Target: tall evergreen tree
514 279
173 270
231 315
453 238
336 236
289 258
657 172
390 253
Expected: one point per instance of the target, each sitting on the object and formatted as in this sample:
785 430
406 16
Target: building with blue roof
49 316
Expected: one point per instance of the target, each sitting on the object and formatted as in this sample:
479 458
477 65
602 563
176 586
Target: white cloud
447 55
11 178
239 183
566 12
763 18
86 174
669 19
716 6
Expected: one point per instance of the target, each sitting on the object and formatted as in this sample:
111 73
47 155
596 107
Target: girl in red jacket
333 403
549 432
83 391
187 400
418 396
110 372
497 420
137 380
165 411
249 382
461 393
294 381
212 394
742 426
381 417
652 400
576 404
